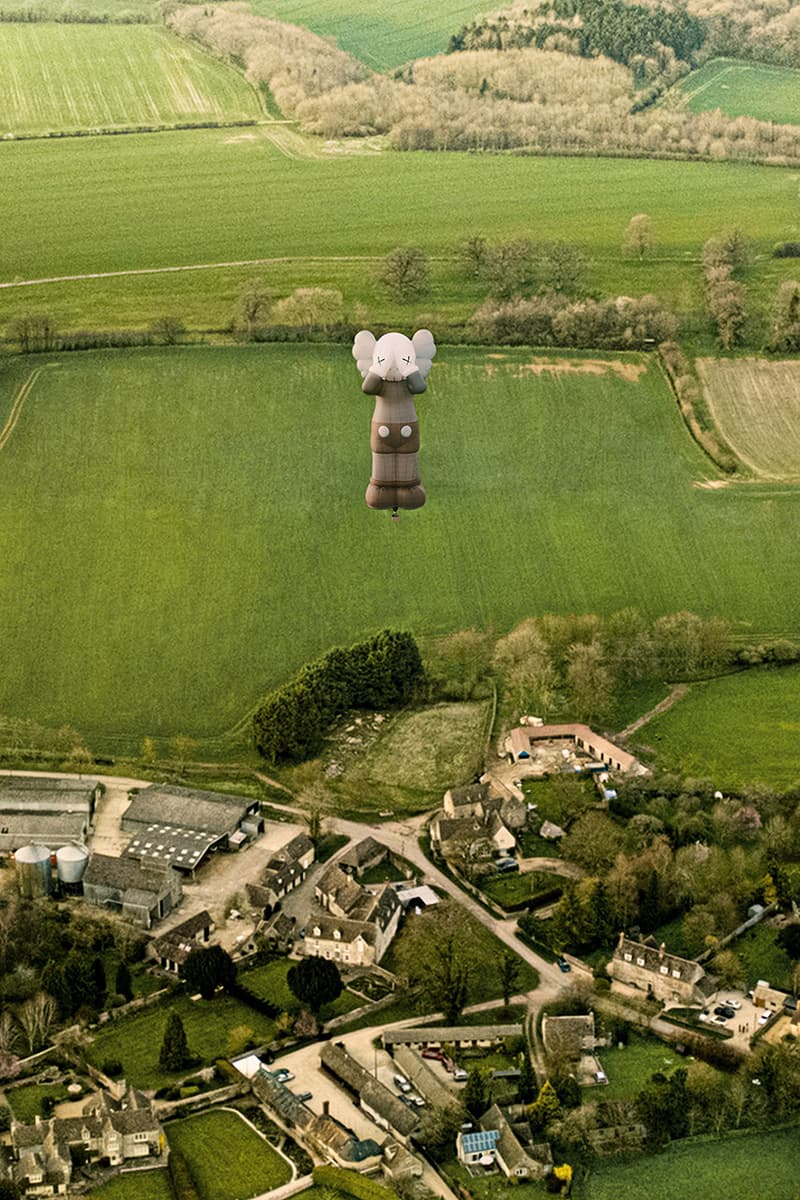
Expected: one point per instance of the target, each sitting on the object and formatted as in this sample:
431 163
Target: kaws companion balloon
394 369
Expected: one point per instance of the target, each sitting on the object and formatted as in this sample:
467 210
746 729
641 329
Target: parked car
765 1016
401 1083
304 1096
734 1004
720 1020
506 866
562 964
416 1100
284 1076
460 1075
432 1052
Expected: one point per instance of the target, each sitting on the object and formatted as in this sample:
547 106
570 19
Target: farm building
521 744
461 1036
386 1110
363 856
647 967
173 948
430 1082
143 894
180 826
43 811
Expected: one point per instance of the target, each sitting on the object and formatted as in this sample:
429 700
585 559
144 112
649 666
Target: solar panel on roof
486 1139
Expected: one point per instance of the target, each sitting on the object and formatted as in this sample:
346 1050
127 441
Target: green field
228 1160
384 35
100 77
630 1068
187 527
224 196
759 1166
735 730
136 1041
742 89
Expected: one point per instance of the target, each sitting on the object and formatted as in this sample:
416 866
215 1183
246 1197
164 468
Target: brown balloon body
394 442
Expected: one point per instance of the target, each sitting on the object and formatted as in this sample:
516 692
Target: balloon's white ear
363 350
425 348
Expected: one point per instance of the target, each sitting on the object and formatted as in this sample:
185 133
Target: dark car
562 964
722 1010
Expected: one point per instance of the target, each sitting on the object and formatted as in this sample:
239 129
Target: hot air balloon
394 369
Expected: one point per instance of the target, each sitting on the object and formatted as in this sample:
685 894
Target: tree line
291 723
476 100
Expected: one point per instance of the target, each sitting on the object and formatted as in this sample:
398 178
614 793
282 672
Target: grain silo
71 862
33 871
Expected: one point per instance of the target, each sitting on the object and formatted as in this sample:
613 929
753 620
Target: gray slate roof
419 1035
370 1090
125 874
186 808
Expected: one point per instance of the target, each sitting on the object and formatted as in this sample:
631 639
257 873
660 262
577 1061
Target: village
431 1102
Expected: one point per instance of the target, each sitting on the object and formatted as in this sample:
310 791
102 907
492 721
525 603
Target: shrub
111 1067
786 250
350 1183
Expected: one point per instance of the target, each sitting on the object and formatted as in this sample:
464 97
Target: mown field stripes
20 397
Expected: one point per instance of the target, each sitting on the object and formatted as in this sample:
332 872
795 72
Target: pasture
187 526
227 1158
735 730
147 202
756 406
753 1166
742 89
61 77
384 35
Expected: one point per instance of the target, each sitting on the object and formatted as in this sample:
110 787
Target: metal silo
33 871
71 863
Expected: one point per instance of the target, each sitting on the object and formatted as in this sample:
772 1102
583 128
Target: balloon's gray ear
363 350
425 348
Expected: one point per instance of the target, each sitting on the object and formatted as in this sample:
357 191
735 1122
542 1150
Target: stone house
173 948
350 923
382 1106
363 856
513 1159
463 1037
648 967
143 894
114 1130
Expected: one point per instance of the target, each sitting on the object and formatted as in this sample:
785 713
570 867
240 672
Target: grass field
735 730
188 527
756 405
269 982
384 35
630 1068
742 89
98 77
88 205
759 1166
26 1102
420 754
228 1160
136 1041
141 1185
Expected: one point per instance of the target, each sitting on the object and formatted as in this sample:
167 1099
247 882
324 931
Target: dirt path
677 693
23 392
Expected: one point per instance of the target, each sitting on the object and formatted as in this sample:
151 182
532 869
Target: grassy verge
227 1159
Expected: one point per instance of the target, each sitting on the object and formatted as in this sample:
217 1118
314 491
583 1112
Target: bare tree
638 239
405 272
37 1017
252 306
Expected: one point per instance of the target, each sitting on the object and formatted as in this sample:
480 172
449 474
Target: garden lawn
521 887
228 1160
69 77
735 730
139 1185
755 1166
84 205
762 958
136 1041
744 89
26 1102
269 982
630 1068
225 487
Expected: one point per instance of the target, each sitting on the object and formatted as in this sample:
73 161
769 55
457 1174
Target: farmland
735 730
223 196
62 77
188 526
760 1166
756 406
385 35
744 89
